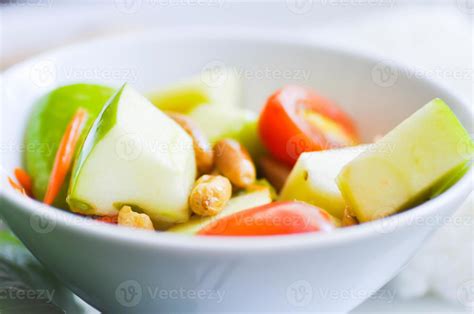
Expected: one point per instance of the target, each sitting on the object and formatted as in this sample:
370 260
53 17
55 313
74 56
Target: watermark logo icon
43 73
42 224
299 7
129 147
214 74
299 293
385 224
128 6
297 145
129 293
385 74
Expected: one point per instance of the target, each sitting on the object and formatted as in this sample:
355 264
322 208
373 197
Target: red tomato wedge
278 218
296 120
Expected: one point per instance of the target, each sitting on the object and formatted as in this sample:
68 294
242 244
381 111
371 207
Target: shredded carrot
24 179
108 219
16 186
64 155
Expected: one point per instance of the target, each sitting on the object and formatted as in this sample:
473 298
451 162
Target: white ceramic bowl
121 270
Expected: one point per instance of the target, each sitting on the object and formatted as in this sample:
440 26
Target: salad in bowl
189 159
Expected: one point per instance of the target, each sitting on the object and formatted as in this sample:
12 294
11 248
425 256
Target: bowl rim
178 242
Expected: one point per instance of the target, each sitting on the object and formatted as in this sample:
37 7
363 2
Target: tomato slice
276 218
296 120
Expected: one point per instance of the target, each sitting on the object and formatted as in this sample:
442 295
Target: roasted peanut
348 218
209 195
275 172
129 218
233 161
202 147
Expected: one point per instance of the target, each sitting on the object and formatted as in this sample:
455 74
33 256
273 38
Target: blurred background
434 38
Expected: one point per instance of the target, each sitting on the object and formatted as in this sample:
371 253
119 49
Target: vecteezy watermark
301 7
440 73
46 222
132 6
130 293
99 73
389 224
383 224
214 73
466 6
45 149
465 293
43 73
128 6
14 293
274 74
131 146
299 293
42 224
385 74
299 144
384 294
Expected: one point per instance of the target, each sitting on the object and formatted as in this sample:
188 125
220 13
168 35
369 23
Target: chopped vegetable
16 186
24 180
137 166
216 87
296 120
108 219
426 151
64 155
134 154
313 178
277 218
49 118
240 124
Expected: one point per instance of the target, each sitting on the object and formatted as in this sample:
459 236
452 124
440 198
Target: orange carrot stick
64 155
16 186
24 179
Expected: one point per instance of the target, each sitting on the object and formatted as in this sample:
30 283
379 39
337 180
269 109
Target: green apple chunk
134 155
236 123
221 88
46 126
313 178
424 152
235 204
450 179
